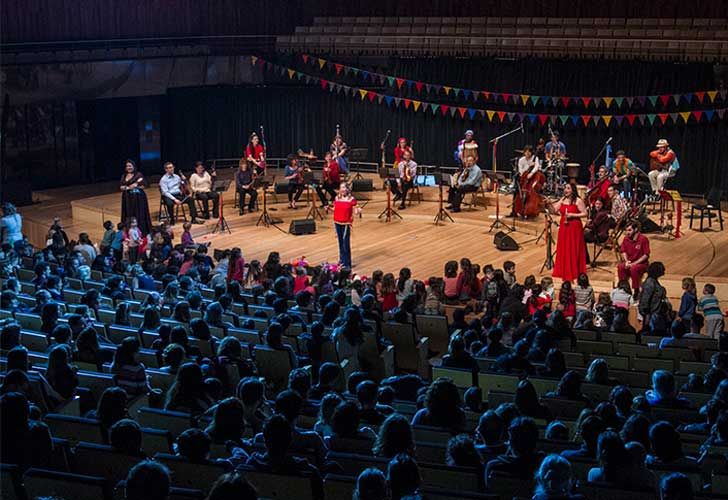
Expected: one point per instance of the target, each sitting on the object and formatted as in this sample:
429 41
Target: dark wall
43 20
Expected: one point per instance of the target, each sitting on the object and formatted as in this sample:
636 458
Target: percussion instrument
470 149
572 170
581 190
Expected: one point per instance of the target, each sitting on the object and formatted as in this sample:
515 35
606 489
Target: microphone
609 140
522 131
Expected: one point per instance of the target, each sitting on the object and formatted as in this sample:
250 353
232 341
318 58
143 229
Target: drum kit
557 171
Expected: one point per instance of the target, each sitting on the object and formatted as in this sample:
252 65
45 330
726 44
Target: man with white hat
663 165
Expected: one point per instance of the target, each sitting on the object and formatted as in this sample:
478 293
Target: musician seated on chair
528 165
622 172
468 182
330 180
171 187
555 149
406 175
244 180
663 165
619 208
599 190
294 175
201 186
597 229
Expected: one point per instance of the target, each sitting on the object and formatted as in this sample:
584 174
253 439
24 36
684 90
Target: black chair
164 214
711 204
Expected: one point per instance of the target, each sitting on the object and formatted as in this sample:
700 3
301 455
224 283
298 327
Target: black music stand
358 155
311 184
389 212
442 214
497 179
221 187
548 262
265 217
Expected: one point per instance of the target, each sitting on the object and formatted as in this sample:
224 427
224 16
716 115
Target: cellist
599 189
530 181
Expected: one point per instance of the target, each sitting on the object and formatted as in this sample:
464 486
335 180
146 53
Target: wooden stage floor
415 241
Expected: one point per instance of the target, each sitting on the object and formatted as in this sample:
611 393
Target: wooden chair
47 483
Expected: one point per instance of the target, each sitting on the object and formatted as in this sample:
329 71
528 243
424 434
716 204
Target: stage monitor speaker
647 225
281 187
504 242
302 226
360 185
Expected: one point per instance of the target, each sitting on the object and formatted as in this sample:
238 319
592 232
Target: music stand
265 217
442 214
311 181
497 179
357 156
548 262
220 187
389 212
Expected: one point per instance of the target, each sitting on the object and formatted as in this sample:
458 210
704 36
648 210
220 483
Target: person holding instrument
330 179
555 149
663 165
570 246
201 186
255 153
623 171
244 179
598 191
400 149
527 198
406 174
294 175
339 152
173 189
467 182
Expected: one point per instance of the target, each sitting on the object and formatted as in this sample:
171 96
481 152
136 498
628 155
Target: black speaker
302 226
504 242
359 185
647 225
281 187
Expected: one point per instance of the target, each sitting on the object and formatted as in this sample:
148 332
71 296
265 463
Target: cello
528 198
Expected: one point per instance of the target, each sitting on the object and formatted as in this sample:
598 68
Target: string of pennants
524 100
418 106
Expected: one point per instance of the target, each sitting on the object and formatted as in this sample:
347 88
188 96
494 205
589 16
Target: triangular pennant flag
291 72
456 91
676 98
533 117
653 99
565 101
486 95
501 115
410 83
388 99
630 101
444 109
437 88
390 81
511 117
607 119
712 94
453 111
525 98
723 93
554 119
619 119
489 113
663 117
574 119
338 67
323 84
363 93
331 86
619 101
674 116
447 90
700 96
586 101
364 74
597 102
496 96
424 106
697 115
721 113
685 115
642 100
585 119
355 71
467 93
476 96
506 97
322 63
664 99
689 97
462 112
416 105
608 102
435 107
305 58
407 103
709 114
400 82
300 76
651 118
481 112
428 88
471 113
397 100
564 119
630 119
554 101
380 98
542 119
308 79
535 99
642 119
253 60
520 117
595 119
418 86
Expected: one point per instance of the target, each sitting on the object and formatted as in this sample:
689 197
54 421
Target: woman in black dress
133 199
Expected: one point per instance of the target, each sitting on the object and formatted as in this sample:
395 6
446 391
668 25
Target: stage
415 241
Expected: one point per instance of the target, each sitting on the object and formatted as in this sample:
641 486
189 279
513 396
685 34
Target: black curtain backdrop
215 122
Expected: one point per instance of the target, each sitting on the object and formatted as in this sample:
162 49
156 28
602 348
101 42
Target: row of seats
525 21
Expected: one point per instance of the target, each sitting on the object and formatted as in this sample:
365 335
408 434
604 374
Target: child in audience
622 296
567 301
133 240
450 281
108 237
710 307
688 301
186 238
583 293
509 268
434 296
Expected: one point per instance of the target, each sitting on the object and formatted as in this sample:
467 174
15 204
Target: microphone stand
494 142
604 147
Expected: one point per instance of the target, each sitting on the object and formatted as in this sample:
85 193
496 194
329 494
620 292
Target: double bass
528 199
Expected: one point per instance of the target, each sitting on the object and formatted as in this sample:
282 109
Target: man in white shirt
170 186
201 187
407 173
468 182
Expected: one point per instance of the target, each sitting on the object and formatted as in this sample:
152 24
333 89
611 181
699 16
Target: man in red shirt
344 208
636 254
331 177
663 165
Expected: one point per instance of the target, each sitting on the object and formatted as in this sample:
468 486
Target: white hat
662 143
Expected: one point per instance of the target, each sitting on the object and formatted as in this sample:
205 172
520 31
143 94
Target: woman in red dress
570 247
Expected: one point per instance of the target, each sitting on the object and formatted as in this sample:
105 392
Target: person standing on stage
400 149
171 185
635 250
294 175
255 153
663 165
622 171
466 147
555 148
344 209
244 179
201 187
339 153
468 182
570 247
133 199
330 180
406 175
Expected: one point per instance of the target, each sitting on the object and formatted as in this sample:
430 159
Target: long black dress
134 203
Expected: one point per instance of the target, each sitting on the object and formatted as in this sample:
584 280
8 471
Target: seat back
277 486
464 379
274 365
101 460
10 484
176 422
402 336
186 474
47 483
336 486
596 491
74 429
434 327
